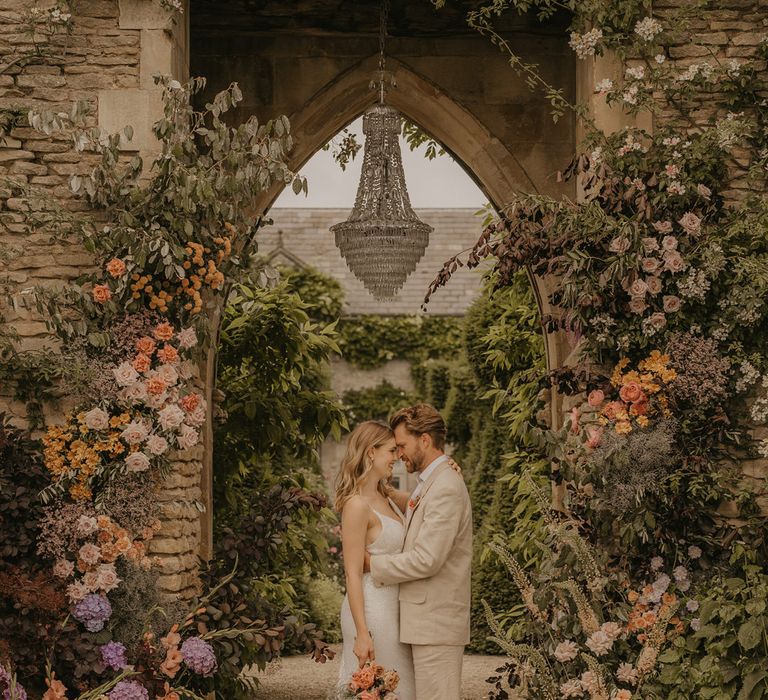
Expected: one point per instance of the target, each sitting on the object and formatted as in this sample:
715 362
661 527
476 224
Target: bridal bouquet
373 682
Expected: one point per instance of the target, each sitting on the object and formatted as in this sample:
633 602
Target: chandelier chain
383 20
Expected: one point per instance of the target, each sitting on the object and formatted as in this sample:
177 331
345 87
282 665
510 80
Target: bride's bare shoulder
356 510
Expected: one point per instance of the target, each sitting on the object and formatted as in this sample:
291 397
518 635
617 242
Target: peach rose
612 409
141 363
650 244
650 264
640 407
156 385
595 398
145 345
673 261
630 392
364 677
637 305
190 402
671 304
654 284
101 294
116 267
663 226
163 331
370 695
391 680
638 288
168 355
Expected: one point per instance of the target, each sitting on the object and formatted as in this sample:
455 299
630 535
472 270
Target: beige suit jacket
434 569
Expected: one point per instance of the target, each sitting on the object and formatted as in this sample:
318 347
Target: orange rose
640 407
633 596
156 385
101 294
611 409
141 363
164 331
369 695
116 267
168 355
190 402
364 677
145 345
631 392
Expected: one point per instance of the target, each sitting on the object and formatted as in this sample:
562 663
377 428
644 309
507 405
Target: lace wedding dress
382 614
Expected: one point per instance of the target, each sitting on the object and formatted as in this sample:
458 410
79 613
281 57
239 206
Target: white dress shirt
423 475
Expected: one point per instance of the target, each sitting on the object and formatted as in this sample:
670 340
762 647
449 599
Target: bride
371 519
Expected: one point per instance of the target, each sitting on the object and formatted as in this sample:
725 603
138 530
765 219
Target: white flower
86 525
137 462
605 85
599 643
692 605
77 591
125 374
597 155
636 72
134 393
626 673
566 651
704 191
171 417
63 568
157 444
671 141
187 338
762 448
659 58
661 583
188 437
656 563
197 417
134 433
684 585
590 683
585 44
97 419
612 629
630 95
680 573
156 400
168 374
647 28
187 369
106 577
571 689
669 243
696 624
694 552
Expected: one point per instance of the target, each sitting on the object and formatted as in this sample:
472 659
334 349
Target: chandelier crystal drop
383 240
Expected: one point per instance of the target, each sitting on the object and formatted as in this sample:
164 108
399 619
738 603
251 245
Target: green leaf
750 634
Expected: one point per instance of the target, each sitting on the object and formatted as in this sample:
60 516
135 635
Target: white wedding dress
382 614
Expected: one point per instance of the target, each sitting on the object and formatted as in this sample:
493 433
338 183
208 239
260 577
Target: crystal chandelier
382 240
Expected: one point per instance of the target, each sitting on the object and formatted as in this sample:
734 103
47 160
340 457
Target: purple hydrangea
128 690
93 611
5 677
113 655
18 693
199 656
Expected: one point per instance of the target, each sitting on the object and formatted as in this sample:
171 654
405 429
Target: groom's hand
366 562
454 466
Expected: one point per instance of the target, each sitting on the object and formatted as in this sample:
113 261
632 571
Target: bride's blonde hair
355 466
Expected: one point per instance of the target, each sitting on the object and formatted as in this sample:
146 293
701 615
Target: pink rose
107 577
654 284
134 433
125 374
77 591
650 265
97 419
673 261
86 525
89 553
671 304
63 568
134 393
575 420
650 244
637 305
658 320
611 409
690 223
669 243
594 437
197 417
663 226
137 462
187 338
704 191
91 581
638 288
619 245
157 444
187 437
595 398
170 417
187 369
631 391
156 401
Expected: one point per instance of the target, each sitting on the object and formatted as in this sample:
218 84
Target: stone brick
11 155
26 168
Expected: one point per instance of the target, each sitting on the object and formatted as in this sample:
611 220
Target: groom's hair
419 419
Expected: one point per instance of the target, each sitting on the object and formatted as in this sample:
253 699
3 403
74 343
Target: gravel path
300 678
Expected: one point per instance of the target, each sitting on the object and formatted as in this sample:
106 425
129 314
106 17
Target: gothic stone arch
465 95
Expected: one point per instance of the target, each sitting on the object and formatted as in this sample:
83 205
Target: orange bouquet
373 682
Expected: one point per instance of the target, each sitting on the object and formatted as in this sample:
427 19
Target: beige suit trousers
438 671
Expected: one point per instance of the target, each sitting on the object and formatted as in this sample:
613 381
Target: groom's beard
416 462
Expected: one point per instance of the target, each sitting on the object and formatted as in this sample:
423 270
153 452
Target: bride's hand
454 466
363 648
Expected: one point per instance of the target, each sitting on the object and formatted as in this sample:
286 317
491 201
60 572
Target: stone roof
301 235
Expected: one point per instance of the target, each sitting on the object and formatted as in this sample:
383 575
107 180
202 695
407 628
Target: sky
438 183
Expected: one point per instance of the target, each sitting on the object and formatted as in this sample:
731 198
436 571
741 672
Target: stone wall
108 62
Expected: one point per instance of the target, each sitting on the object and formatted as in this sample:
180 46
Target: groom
433 569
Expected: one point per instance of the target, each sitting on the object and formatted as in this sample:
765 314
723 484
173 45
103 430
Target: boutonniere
414 502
